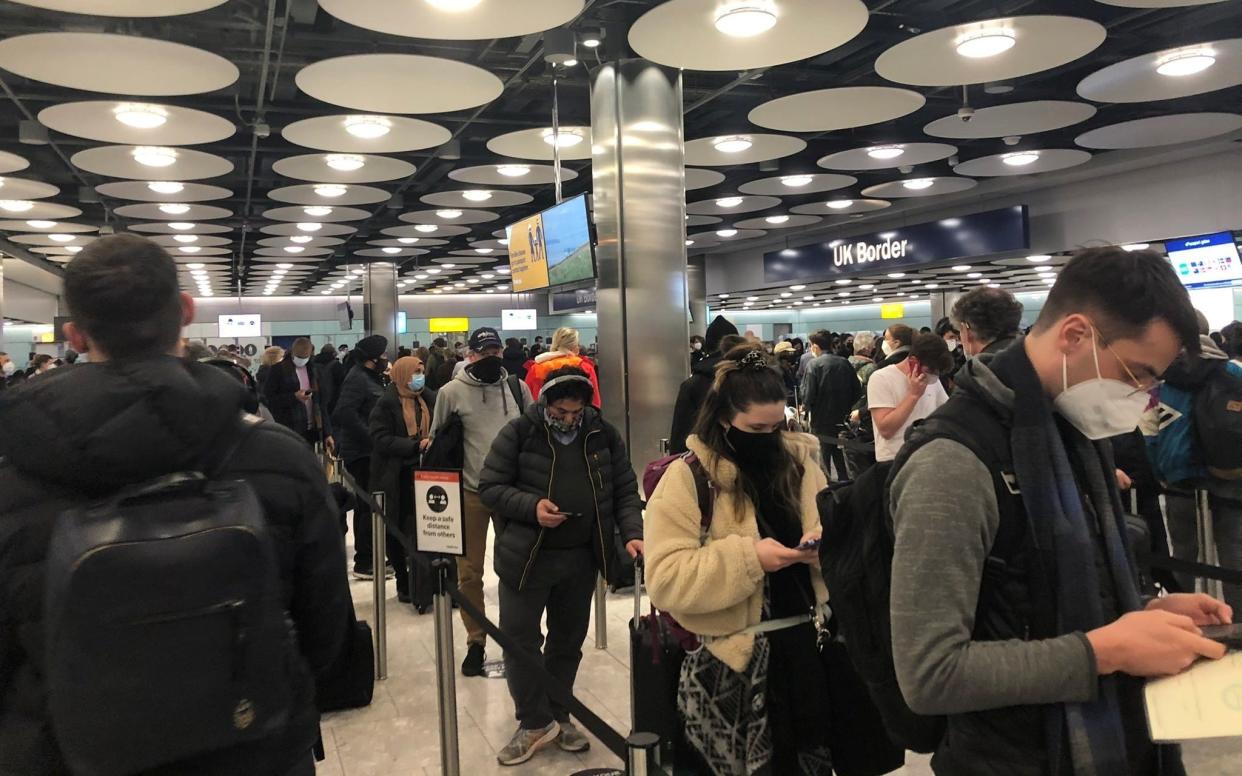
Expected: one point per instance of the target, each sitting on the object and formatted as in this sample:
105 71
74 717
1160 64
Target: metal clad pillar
696 283
379 303
639 189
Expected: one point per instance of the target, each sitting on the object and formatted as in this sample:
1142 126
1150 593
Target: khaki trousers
470 568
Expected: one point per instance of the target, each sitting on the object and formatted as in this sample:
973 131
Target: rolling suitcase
656 656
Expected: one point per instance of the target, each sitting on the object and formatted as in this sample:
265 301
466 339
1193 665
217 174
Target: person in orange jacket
564 352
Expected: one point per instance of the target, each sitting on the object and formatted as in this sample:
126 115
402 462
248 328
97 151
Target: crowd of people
1017 610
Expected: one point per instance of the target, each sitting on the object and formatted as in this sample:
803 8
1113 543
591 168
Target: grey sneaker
525 743
571 738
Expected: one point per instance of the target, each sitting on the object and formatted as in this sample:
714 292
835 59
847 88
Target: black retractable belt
1229 576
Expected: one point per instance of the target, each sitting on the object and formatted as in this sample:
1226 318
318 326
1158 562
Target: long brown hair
745 377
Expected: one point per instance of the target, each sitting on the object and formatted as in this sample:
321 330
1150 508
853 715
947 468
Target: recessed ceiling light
41 224
391 250
330 189
983 43
591 40
726 232
918 184
154 156
64 238
1038 258
166 187
448 214
1186 62
776 219
309 227
565 138
407 240
367 127
885 152
1135 247
840 204
727 202
476 195
181 226
795 181
1020 158
513 170
317 211
140 115
344 162
15 205
185 238
294 249
950 222
732 144
746 18
961 267
174 208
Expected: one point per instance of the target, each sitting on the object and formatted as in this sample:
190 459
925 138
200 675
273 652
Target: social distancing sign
439 525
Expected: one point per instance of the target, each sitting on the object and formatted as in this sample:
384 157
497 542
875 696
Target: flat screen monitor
345 316
552 248
518 320
1206 261
240 326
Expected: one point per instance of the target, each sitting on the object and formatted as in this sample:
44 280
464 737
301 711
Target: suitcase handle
638 588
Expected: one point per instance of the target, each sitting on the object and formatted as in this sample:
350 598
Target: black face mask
487 369
755 450
381 364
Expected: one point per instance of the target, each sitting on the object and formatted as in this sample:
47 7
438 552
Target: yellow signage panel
892 311
47 337
528 255
449 325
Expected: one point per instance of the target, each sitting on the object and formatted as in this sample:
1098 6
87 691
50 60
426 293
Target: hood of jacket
716 331
1190 372
552 355
707 367
976 378
98 426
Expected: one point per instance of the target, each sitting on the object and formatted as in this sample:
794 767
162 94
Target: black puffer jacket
518 473
86 431
690 397
359 393
395 454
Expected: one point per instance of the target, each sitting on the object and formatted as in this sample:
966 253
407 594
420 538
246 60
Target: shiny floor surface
398 734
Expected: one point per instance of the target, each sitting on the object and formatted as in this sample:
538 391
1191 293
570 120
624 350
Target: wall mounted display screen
580 300
241 326
518 320
1207 261
552 248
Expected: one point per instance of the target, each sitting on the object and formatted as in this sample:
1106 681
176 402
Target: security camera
965 113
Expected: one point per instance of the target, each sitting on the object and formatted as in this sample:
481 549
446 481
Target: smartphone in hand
810 544
1229 635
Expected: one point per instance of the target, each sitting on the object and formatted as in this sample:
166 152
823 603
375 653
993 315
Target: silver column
379 302
696 292
639 191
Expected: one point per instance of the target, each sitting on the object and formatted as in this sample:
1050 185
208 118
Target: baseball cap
485 337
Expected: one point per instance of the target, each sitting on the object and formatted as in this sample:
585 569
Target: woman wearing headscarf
400 426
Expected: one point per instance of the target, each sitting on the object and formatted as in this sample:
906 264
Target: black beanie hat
716 332
372 347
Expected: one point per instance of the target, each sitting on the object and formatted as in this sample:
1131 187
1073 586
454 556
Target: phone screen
812 544
1229 635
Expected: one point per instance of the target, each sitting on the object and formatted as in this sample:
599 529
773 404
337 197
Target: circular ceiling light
301 238
310 227
41 224
174 208
190 249
1185 62
433 271
513 170
453 6
196 266
317 211
566 138
476 195
446 265
330 190
448 214
984 43
166 187
733 144
840 204
796 181
181 226
726 232
154 156
1038 258
746 19
367 127
1135 247
895 275
885 152
345 162
294 249
185 238
961 267
1020 158
918 184
776 219
140 115
425 228
61 237
391 250
727 202
407 240
974 274
483 251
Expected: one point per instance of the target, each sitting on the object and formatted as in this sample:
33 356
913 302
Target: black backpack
448 447
1218 422
856 557
166 631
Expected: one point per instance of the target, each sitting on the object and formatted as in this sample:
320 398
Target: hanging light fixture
140 115
448 214
425 228
918 184
181 226
1020 158
61 238
513 170
174 208
1184 62
154 156
746 18
728 202
41 224
185 238
840 204
391 250
166 187
317 211
796 181
985 42
776 219
565 138
345 162
294 249
310 227
726 232
885 152
476 195
367 127
407 240
190 249
330 190
732 144
301 238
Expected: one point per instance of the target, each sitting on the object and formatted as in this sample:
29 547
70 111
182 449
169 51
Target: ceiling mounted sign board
979 234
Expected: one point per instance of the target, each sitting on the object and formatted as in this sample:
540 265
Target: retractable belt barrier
635 750
1204 570
847 444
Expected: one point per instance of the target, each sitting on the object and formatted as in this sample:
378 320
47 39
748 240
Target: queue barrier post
446 679
640 748
1208 554
601 614
379 562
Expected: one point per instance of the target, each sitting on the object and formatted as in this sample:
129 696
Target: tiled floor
398 735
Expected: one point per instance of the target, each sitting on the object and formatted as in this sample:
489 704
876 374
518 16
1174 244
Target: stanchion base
599 772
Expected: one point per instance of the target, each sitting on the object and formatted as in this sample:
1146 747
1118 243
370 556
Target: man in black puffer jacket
559 480
133 413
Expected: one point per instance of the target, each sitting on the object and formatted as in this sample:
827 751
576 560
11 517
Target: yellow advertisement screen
528 258
449 325
892 311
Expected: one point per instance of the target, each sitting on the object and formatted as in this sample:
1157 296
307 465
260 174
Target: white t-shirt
886 388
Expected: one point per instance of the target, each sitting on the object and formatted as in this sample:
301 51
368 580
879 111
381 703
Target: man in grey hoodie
486 398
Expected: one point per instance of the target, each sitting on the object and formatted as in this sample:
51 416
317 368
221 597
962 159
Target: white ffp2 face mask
1100 407
886 348
299 361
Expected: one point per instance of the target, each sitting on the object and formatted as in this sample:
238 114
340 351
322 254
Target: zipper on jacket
551 478
599 525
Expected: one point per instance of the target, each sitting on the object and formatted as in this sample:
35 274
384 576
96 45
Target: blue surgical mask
417 382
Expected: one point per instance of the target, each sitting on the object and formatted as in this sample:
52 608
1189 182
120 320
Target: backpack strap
515 388
220 452
706 492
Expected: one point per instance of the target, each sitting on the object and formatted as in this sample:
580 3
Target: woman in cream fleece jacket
744 588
